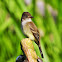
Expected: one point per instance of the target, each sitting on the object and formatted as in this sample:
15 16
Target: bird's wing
35 32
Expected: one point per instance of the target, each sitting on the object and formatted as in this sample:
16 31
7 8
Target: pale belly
28 32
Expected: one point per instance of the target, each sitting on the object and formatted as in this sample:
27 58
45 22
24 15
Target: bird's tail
40 51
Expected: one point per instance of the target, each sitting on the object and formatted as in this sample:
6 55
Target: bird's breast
27 31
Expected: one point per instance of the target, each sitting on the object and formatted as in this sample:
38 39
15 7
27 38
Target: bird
29 29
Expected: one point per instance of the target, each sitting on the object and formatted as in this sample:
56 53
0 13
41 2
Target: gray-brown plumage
30 29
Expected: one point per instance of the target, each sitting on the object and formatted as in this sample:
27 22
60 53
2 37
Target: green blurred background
47 17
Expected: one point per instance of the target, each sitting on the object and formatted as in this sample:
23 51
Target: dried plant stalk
28 48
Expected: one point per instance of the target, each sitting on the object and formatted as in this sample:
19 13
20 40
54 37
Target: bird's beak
31 17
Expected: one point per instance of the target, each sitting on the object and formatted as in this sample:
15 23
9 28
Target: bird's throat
24 21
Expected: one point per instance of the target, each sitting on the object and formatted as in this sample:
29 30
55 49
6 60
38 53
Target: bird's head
26 15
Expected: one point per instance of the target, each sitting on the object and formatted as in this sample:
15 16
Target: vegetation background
47 17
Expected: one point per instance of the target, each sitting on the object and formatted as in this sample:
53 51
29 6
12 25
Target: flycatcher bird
30 29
